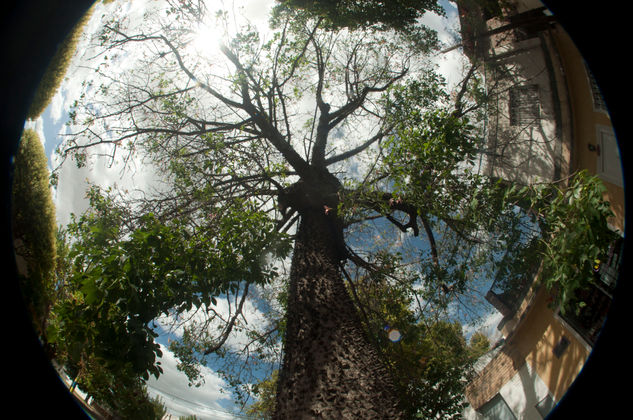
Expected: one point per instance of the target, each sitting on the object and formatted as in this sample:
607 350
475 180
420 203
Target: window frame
524 105
496 401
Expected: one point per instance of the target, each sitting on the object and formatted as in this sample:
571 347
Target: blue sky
208 401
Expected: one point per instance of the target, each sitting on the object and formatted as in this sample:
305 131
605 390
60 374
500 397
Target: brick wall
499 371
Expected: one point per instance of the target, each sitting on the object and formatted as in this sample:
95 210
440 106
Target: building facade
547 120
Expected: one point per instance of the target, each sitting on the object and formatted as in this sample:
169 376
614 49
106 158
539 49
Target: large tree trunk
330 370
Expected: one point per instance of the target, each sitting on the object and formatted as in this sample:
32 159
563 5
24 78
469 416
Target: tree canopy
56 69
34 225
322 140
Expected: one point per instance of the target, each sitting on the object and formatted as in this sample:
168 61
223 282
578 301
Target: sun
207 39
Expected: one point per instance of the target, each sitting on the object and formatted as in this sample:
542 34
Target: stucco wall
529 152
585 120
539 335
532 342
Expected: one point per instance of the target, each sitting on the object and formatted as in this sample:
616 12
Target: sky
208 402
211 401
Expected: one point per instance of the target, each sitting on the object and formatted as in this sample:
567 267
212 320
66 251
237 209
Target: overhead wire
206 407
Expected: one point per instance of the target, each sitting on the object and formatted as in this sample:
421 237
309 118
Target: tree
245 166
56 70
120 284
309 138
266 391
96 329
58 66
427 355
479 344
33 225
399 15
576 235
121 393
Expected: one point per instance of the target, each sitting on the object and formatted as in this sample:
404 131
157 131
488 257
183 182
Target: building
547 121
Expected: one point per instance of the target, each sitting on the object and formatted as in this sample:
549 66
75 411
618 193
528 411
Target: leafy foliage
575 232
266 391
56 70
428 356
122 280
121 392
399 14
33 225
479 345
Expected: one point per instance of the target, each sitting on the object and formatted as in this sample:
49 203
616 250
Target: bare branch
464 88
340 114
202 85
431 237
230 325
359 148
267 129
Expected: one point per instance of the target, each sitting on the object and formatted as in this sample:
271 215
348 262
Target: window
588 320
598 101
545 406
608 270
560 348
497 409
524 105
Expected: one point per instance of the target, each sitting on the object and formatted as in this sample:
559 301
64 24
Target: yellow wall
585 120
539 335
533 342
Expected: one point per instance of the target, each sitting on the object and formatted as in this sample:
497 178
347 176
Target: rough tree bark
330 370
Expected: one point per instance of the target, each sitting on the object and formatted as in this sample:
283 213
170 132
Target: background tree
123 394
316 135
98 328
33 225
266 391
57 68
427 355
398 15
479 344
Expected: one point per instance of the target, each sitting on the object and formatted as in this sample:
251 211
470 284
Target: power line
169 394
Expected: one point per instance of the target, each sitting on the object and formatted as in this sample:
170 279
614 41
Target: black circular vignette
31 30
599 35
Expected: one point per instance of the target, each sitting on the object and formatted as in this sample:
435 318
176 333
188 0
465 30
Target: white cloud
258 11
450 64
69 196
205 402
438 23
488 326
237 339
73 182
57 104
38 126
